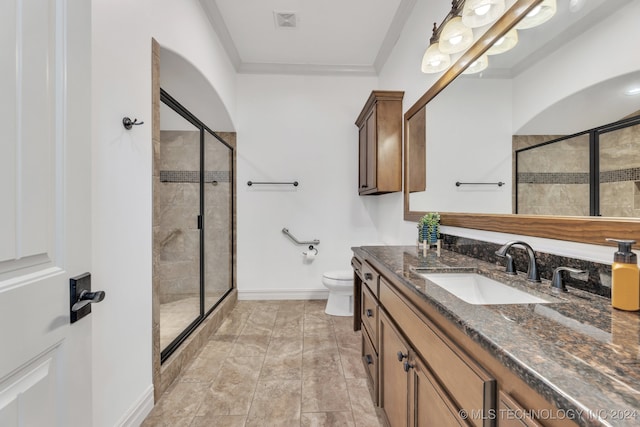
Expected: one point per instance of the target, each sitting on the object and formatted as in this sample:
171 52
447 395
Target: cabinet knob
368 359
369 312
402 356
363 186
368 276
406 366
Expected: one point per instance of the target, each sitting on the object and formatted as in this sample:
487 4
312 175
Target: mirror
516 96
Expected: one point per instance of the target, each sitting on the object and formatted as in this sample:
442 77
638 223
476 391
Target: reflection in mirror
529 94
619 175
552 179
558 177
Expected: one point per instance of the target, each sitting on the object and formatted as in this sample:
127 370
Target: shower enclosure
193 222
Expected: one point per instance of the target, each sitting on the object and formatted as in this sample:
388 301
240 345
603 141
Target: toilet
340 285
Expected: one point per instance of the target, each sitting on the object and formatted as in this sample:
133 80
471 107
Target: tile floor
273 363
175 316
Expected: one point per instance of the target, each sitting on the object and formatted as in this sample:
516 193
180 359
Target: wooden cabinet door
362 156
429 405
372 150
393 378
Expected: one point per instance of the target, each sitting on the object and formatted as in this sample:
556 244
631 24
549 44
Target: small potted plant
429 228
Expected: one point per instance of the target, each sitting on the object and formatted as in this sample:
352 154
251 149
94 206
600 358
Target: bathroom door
45 216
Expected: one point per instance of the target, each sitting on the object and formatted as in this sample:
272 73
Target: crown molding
215 18
393 34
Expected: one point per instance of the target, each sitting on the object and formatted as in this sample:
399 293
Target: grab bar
298 242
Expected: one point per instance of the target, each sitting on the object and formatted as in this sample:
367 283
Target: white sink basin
477 289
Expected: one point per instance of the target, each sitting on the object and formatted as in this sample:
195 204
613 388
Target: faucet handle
510 266
557 282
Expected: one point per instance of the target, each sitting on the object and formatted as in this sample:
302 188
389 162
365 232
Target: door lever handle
86 298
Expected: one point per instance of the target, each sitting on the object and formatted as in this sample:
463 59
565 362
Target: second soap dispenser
625 277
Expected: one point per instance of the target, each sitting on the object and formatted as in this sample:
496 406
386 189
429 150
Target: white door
45 165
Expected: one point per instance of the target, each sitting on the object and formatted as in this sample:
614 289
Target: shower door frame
176 106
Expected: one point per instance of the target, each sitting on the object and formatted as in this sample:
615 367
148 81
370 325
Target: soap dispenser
625 277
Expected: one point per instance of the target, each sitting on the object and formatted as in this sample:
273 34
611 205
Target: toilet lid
339 275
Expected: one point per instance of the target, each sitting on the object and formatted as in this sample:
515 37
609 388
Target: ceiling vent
285 19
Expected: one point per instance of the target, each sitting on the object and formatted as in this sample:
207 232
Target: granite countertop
579 353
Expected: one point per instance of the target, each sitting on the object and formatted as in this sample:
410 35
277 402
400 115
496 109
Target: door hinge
199 222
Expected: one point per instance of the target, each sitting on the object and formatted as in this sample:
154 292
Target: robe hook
128 124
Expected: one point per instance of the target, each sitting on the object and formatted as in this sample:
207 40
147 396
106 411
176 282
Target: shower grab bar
298 242
499 184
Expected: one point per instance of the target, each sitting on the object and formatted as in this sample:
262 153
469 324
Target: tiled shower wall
620 172
554 179
177 237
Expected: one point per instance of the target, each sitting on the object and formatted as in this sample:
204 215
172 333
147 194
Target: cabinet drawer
370 361
470 386
370 278
511 414
357 267
369 315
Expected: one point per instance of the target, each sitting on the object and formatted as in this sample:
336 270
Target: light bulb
455 36
482 10
477 65
434 61
455 40
504 43
633 92
538 15
478 13
533 12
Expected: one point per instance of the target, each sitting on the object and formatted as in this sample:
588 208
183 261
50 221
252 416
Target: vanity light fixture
434 60
504 43
478 13
477 65
455 36
538 15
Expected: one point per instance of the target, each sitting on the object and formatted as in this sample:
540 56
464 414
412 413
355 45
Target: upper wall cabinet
380 143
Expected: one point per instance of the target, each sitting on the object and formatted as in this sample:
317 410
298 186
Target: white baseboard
282 294
139 410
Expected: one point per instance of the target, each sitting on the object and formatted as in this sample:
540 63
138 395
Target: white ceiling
332 36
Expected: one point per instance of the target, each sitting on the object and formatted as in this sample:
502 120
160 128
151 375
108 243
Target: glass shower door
176 233
218 200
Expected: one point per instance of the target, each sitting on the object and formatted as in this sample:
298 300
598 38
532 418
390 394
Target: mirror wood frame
592 230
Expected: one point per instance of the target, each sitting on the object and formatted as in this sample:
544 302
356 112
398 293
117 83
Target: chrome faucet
532 271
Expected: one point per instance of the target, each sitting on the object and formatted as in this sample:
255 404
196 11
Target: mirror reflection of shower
192 222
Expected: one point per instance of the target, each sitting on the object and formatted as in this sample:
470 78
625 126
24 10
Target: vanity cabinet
368 321
424 371
409 394
394 380
380 143
429 403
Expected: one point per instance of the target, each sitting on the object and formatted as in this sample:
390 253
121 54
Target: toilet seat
345 275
